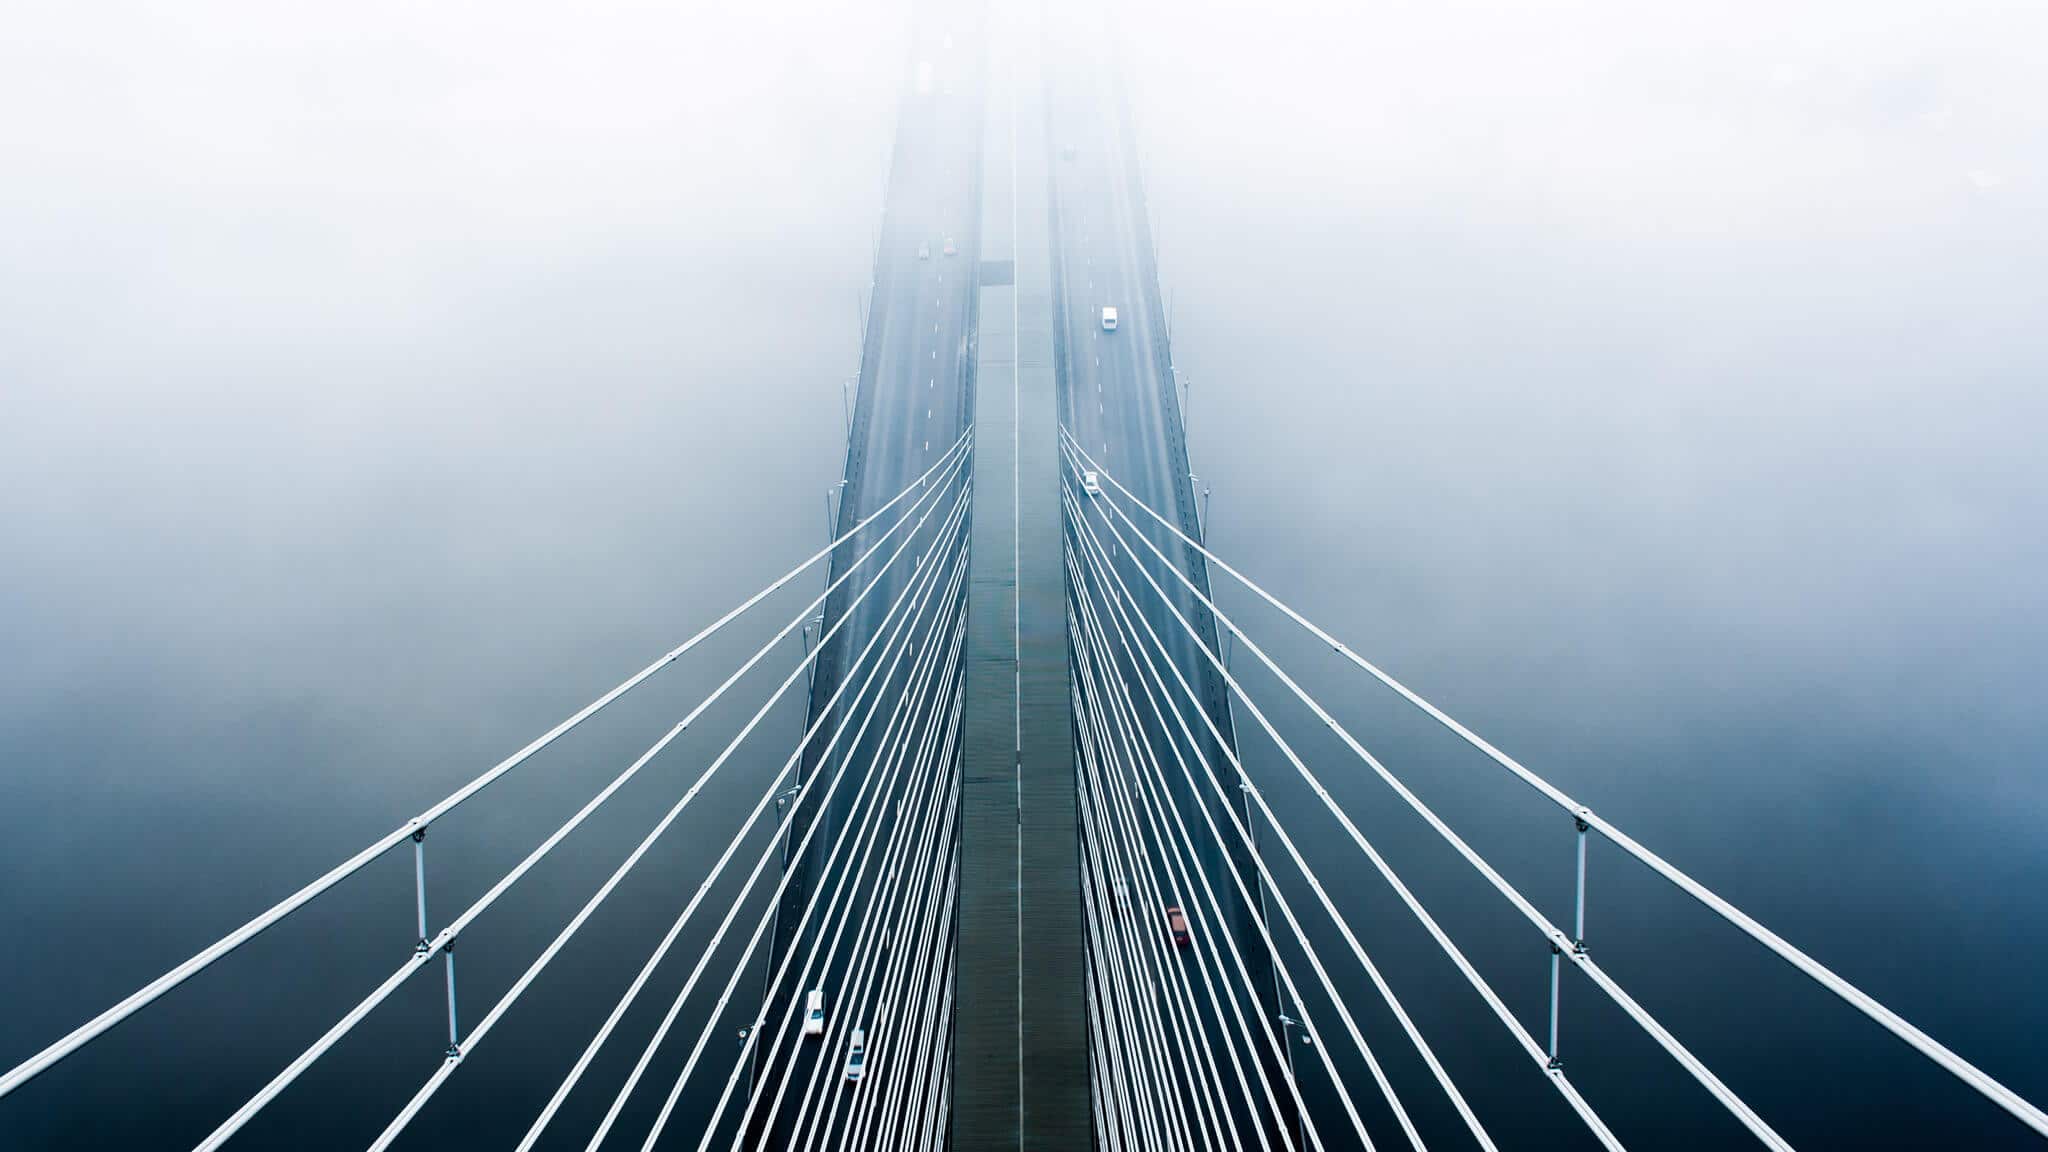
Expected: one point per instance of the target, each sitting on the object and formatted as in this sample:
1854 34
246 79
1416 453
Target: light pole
1287 1023
833 495
782 799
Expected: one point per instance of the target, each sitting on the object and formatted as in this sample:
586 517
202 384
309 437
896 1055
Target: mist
1656 390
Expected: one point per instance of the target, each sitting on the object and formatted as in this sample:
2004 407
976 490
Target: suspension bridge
1048 864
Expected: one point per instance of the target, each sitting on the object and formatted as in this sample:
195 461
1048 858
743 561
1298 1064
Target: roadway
913 400
1119 396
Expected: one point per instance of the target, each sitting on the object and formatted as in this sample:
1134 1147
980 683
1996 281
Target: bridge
1064 854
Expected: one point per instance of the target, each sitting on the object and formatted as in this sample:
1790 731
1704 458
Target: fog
1656 390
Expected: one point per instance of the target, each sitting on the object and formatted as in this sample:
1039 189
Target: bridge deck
1021 1050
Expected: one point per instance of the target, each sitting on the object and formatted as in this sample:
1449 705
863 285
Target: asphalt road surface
911 406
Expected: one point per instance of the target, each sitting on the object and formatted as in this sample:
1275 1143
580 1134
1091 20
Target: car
814 1012
1108 318
1177 924
949 249
924 251
857 1054
1091 483
1068 152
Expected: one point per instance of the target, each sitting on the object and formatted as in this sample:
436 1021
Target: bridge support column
1020 1067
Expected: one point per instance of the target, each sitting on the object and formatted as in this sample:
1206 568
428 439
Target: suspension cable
1087 637
504 1003
142 997
931 764
934 1014
1125 854
445 940
1179 873
675 929
1555 1072
1386 871
901 838
1105 857
882 1029
898 983
1536 1053
2023 1110
1315 962
879 1107
1184 843
654 960
696 1051
921 585
1562 945
1145 1054
838 917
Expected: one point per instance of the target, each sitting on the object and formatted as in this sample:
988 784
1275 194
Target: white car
857 1054
924 251
1108 318
1091 483
814 1012
949 249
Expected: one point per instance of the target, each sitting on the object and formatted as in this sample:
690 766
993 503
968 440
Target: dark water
1659 402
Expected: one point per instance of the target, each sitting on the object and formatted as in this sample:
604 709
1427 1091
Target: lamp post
1287 1024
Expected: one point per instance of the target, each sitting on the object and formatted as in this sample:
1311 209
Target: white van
857 1054
814 1012
1108 318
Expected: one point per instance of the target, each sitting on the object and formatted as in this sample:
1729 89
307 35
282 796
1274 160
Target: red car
1178 925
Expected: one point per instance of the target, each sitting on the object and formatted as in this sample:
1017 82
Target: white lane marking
935 329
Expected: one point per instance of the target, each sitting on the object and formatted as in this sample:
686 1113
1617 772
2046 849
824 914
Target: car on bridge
1108 318
1177 924
924 251
1091 483
814 1012
950 249
857 1054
